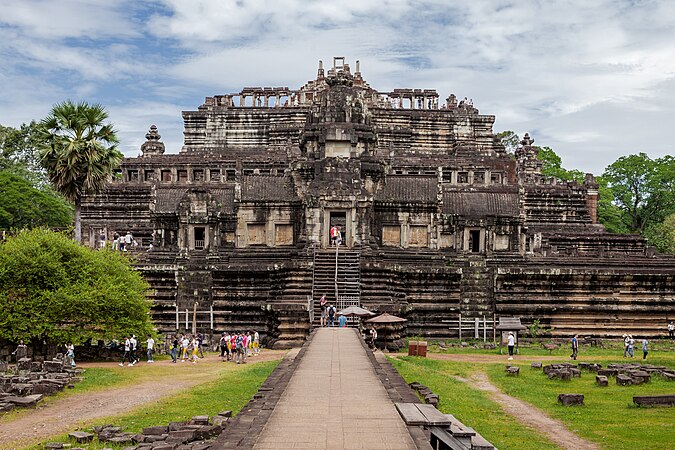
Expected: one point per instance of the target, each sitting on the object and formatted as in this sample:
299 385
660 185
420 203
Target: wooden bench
655 400
421 414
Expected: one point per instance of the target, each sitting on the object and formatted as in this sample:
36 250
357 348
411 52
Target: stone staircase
345 281
476 288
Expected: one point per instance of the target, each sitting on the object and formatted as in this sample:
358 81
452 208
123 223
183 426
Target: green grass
608 417
234 387
472 407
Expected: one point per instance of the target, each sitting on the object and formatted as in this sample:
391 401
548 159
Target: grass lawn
608 417
473 407
232 389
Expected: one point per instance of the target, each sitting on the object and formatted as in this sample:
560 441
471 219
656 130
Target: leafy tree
662 235
643 189
79 151
553 166
54 289
24 206
19 153
509 139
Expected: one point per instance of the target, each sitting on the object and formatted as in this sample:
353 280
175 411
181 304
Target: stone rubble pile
626 374
426 393
195 434
26 383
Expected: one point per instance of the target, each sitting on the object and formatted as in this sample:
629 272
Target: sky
592 79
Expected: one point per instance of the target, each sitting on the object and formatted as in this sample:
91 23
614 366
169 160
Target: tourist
21 351
256 343
222 343
575 347
331 315
175 345
671 330
134 347
184 344
324 309
372 336
334 231
233 346
127 353
625 345
200 341
645 348
338 240
151 348
342 320
631 346
118 242
70 355
128 241
511 343
240 349
195 349
101 240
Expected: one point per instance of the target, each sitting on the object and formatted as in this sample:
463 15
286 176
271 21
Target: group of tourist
238 346
187 347
131 347
328 313
629 347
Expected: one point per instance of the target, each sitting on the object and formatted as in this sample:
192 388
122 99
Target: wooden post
459 326
494 329
194 319
187 320
476 325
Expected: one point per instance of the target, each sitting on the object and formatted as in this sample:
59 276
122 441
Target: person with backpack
331 315
241 349
223 344
575 347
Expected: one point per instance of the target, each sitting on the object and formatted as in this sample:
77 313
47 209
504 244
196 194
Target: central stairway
337 274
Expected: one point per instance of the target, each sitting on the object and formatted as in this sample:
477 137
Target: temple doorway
338 219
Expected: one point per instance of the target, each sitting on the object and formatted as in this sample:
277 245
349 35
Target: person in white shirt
511 343
151 347
184 343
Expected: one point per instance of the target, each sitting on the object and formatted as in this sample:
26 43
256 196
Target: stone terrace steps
348 277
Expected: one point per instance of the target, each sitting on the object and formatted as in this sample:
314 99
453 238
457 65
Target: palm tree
79 151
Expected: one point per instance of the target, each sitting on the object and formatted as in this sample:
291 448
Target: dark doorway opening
474 241
200 233
339 219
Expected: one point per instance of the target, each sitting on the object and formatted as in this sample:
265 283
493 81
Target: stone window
447 174
182 176
391 235
283 234
230 174
132 174
473 241
149 175
479 178
399 172
418 236
166 176
198 175
117 175
256 233
413 172
496 178
462 177
215 174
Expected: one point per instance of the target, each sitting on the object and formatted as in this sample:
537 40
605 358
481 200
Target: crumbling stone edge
244 430
398 391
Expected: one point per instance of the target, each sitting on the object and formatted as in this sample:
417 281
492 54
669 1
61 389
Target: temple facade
437 221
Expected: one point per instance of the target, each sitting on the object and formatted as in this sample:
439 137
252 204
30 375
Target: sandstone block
81 436
24 364
536 365
623 380
571 399
601 380
228 413
53 366
155 430
200 420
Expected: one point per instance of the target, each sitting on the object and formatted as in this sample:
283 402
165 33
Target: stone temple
437 219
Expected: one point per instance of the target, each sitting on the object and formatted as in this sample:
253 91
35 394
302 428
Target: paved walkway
334 400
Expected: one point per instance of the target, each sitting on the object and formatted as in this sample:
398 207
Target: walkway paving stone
335 400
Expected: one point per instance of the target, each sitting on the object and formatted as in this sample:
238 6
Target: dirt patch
480 358
529 415
68 414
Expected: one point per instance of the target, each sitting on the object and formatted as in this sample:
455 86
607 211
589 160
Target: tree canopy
24 206
53 289
79 151
19 153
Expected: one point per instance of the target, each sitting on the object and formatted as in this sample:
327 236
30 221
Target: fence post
177 319
459 326
187 320
484 329
476 326
211 314
194 318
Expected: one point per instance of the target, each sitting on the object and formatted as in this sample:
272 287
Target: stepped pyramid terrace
437 220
